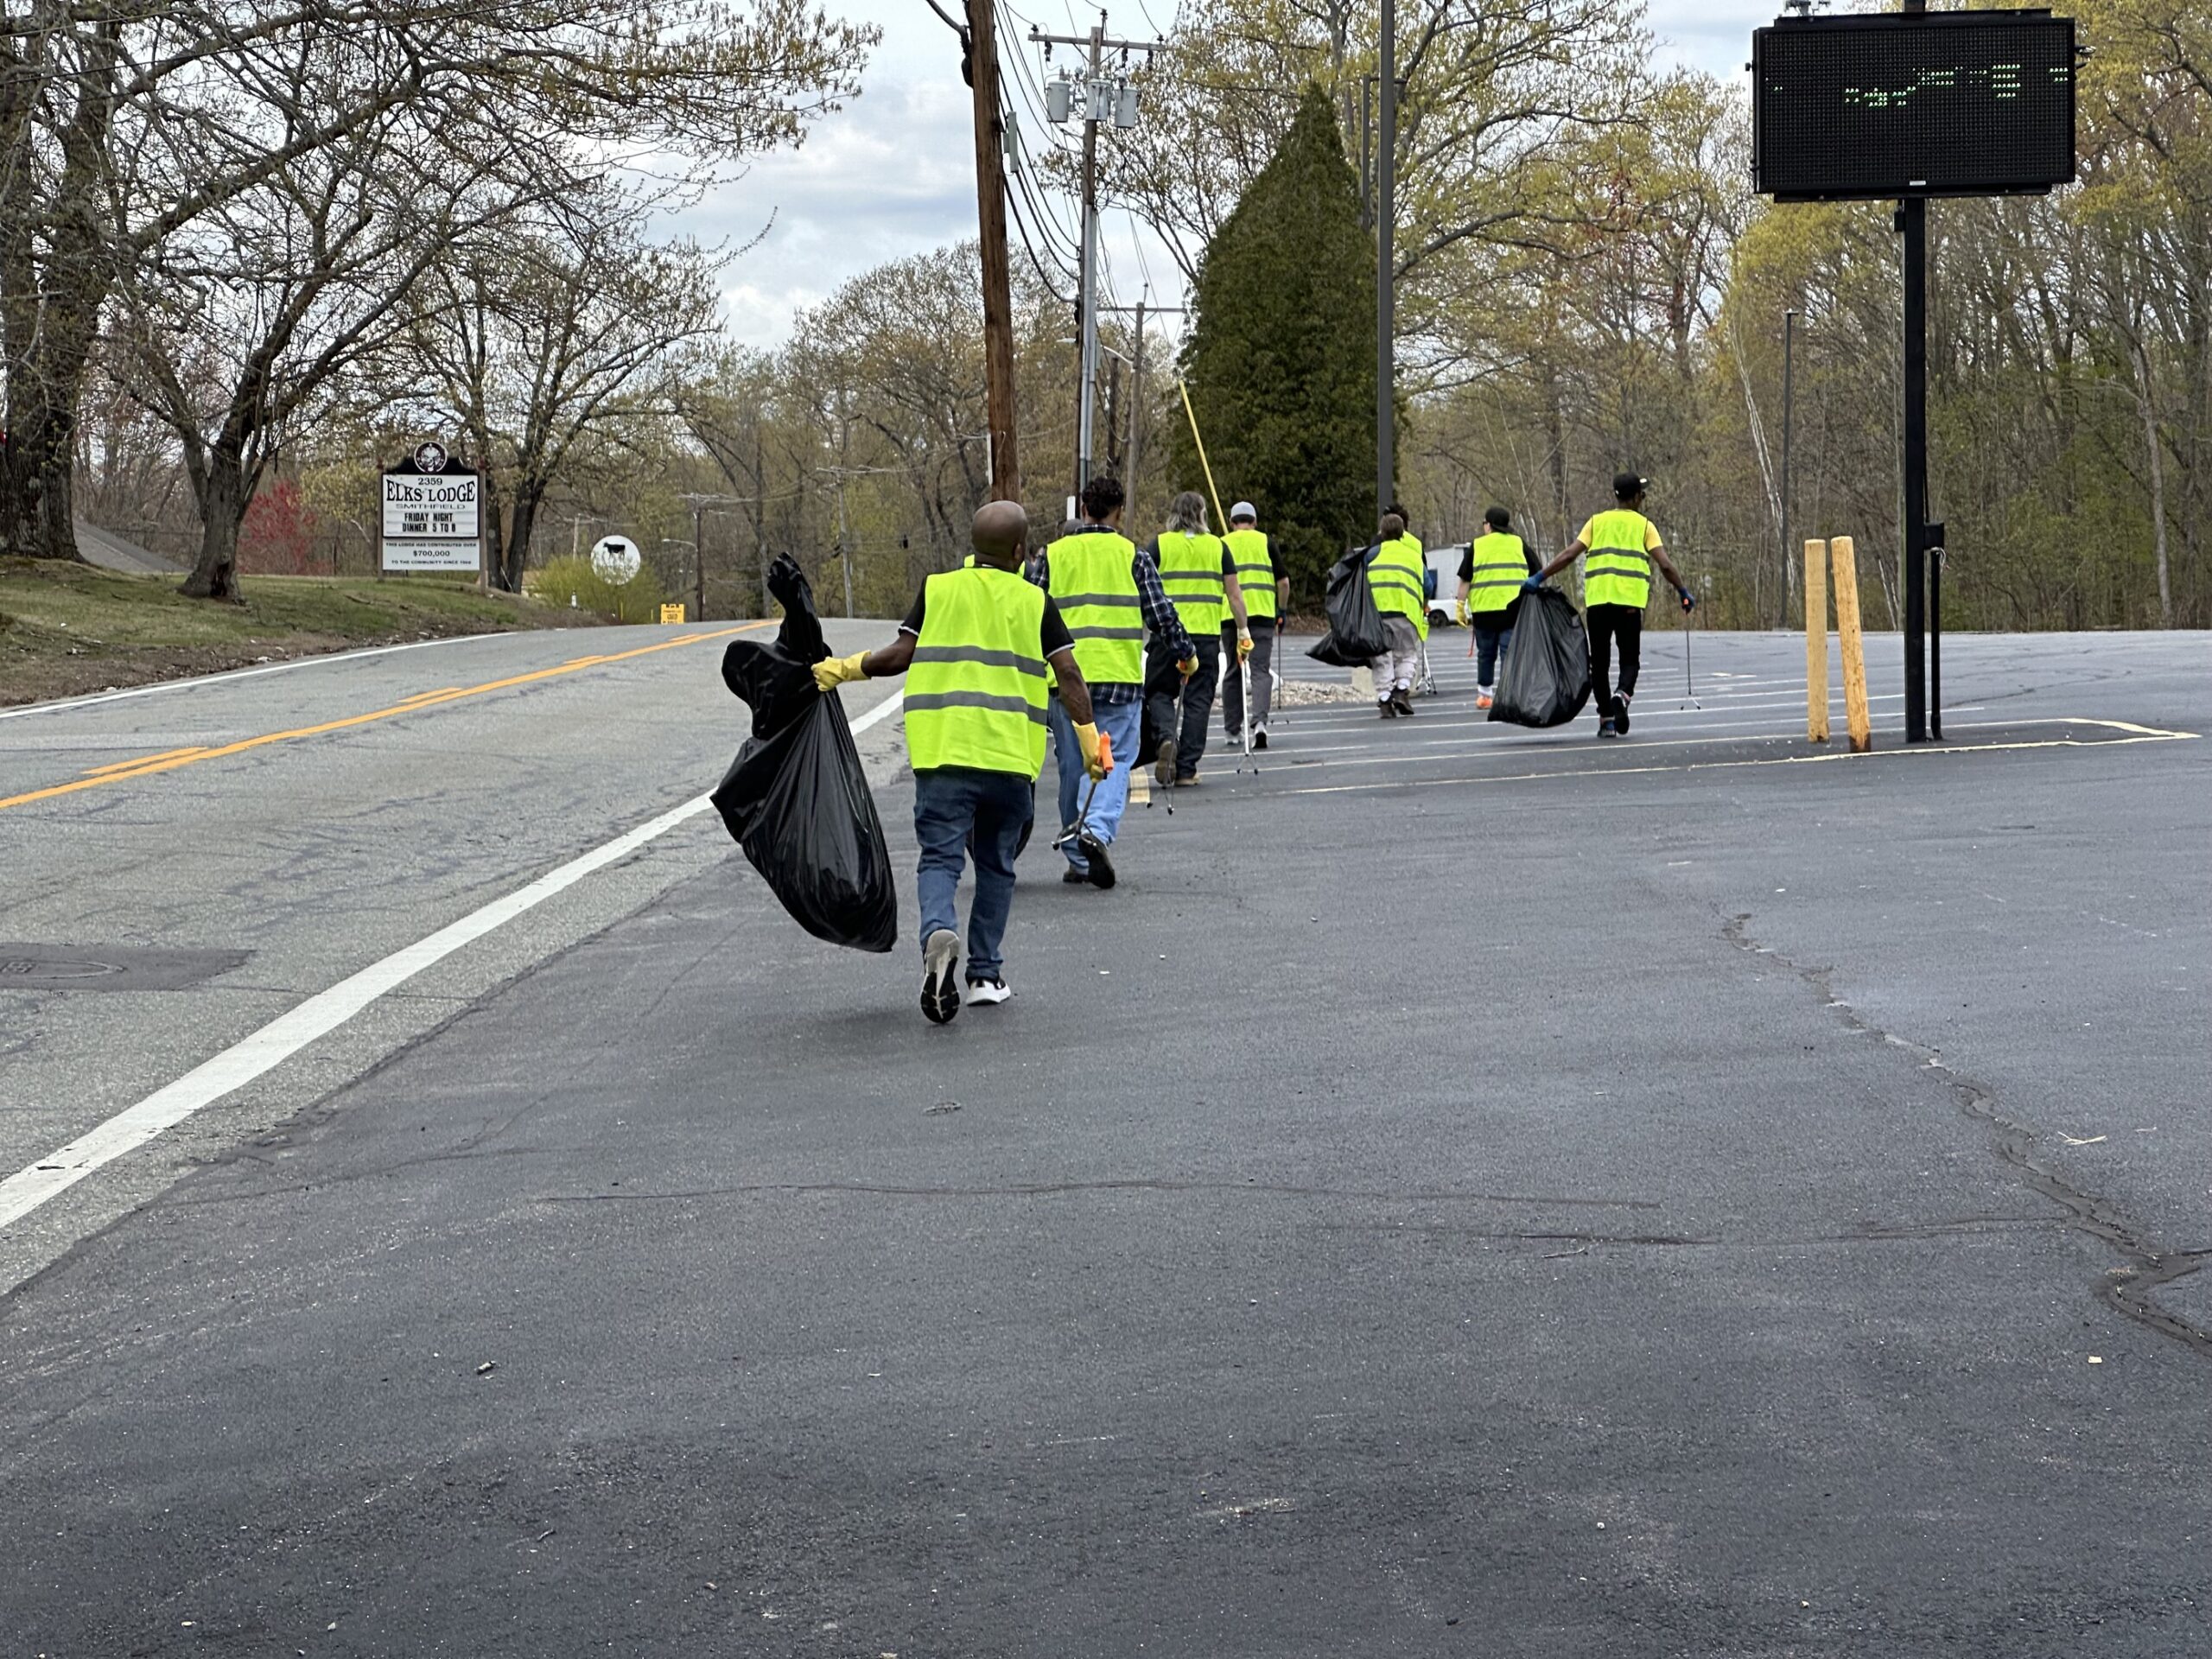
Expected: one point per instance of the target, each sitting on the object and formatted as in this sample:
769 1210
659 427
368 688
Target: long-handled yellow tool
1243 663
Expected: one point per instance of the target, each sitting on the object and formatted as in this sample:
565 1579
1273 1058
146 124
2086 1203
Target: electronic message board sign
1933 103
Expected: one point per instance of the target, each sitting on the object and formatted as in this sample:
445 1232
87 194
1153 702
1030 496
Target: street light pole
1385 309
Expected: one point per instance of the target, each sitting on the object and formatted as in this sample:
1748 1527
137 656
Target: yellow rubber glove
1094 762
833 672
1463 612
1188 666
1243 646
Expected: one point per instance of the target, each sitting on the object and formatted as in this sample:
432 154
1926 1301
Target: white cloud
893 173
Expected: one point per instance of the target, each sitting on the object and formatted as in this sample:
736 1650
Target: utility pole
990 212
1103 98
1136 408
699 502
1789 406
1143 309
1386 318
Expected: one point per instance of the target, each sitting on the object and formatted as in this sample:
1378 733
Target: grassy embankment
68 629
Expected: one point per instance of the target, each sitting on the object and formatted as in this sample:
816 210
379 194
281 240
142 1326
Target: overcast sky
894 172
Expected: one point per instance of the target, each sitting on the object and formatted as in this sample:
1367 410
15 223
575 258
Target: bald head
999 530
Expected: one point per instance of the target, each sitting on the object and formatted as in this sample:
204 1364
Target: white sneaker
987 991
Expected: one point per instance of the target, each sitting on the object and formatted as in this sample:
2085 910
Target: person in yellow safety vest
1109 590
1491 571
1199 575
1617 549
1397 575
974 650
1267 597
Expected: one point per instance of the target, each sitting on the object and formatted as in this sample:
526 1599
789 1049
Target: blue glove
1532 584
1689 599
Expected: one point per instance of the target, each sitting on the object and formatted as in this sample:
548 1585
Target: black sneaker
1605 728
941 976
1075 878
1163 767
1102 867
1259 741
1620 714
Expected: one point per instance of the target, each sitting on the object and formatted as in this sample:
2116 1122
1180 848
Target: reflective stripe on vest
1095 585
1499 571
1616 570
1190 569
1255 571
975 691
1397 577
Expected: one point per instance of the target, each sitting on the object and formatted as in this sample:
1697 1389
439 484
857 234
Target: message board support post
1912 223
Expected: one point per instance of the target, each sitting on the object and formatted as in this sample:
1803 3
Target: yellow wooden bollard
1816 641
1854 650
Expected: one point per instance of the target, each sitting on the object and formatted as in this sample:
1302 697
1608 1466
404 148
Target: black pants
1177 707
1609 623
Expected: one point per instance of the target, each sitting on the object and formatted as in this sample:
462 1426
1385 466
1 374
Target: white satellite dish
615 558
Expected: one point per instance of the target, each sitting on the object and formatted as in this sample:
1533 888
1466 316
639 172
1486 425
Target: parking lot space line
2130 734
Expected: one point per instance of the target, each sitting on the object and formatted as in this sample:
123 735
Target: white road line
249 673
321 1013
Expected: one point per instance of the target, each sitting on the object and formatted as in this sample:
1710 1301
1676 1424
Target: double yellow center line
170 759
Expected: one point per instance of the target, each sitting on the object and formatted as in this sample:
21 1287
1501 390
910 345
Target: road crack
2130 1289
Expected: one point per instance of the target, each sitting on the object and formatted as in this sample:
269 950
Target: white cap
1243 510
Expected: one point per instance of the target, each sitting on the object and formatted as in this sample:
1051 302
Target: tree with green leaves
1280 360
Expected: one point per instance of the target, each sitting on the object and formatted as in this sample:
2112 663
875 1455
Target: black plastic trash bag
1546 679
796 798
1354 637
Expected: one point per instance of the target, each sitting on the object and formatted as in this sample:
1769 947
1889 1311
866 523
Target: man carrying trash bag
1617 548
1397 574
975 649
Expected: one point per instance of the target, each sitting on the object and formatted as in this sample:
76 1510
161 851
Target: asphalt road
1465 1192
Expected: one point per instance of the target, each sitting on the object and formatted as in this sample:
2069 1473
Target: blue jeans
1118 723
1490 647
956 810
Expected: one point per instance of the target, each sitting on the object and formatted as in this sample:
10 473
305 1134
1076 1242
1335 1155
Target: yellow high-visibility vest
1617 568
1255 572
1398 577
1095 585
976 692
1500 568
1190 569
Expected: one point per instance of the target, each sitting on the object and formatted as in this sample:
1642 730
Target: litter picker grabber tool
1689 688
1080 829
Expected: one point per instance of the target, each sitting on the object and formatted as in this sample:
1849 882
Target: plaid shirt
1159 615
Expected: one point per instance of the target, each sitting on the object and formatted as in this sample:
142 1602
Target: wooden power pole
990 212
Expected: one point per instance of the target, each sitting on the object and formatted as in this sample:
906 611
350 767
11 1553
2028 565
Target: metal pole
1789 407
1367 152
698 562
1386 321
1090 367
1936 644
1912 220
1136 411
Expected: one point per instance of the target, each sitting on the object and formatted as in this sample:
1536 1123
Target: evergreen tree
1281 356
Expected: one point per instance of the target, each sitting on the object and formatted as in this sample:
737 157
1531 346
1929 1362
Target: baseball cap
1243 510
1625 484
